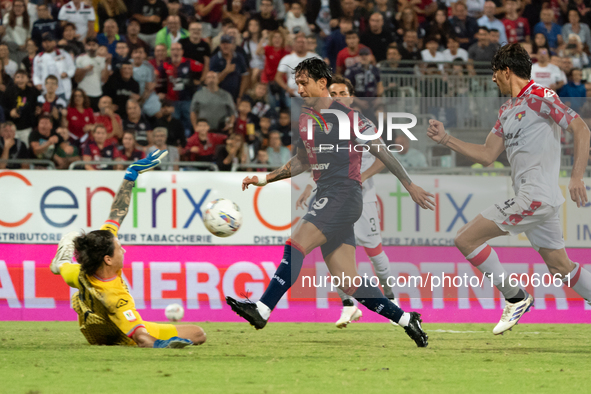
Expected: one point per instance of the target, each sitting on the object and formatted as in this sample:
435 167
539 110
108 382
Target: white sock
381 264
580 281
344 296
487 261
264 310
404 320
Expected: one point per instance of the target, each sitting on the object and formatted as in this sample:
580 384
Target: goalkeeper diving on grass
106 310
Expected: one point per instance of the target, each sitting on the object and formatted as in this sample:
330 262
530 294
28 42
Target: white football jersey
531 126
368 188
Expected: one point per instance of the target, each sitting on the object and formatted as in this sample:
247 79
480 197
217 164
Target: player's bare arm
576 186
120 205
418 195
297 165
484 154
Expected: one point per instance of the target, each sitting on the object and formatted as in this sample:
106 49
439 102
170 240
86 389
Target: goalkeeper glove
143 165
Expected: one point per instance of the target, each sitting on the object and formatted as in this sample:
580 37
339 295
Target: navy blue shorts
334 211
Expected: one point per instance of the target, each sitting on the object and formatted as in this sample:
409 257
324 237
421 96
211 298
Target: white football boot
395 302
512 314
65 252
348 314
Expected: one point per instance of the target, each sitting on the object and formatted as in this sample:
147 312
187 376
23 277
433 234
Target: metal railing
196 164
31 162
249 166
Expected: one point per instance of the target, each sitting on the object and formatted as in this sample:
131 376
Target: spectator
265 16
409 50
495 38
393 58
49 104
11 147
176 131
158 63
388 12
547 74
181 74
409 157
143 73
231 67
233 32
278 154
112 9
235 14
121 87
137 122
278 8
44 24
482 51
27 62
69 42
551 30
160 136
108 118
540 41
121 55
489 21
312 45
516 27
21 99
426 8
172 33
259 102
253 40
65 153
574 93
202 145
377 38
195 48
18 26
575 26
296 22
349 56
233 152
285 77
213 104
366 77
214 42
81 15
244 124
440 28
565 65
262 158
475 8
150 14
350 9
211 12
463 25
284 126
408 20
44 141
10 66
337 42
132 37
80 116
91 72
110 36
273 47
264 131
98 149
128 151
574 52
56 62
454 51
177 9
429 55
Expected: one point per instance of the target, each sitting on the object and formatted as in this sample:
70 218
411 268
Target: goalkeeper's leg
62 262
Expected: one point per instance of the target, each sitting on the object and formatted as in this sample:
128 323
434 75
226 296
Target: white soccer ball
222 217
174 312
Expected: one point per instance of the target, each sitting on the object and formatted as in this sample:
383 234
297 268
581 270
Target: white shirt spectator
91 83
438 57
54 63
548 75
11 68
19 33
78 16
449 57
292 22
475 7
289 63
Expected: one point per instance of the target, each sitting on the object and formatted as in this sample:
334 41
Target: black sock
285 276
348 302
374 300
520 296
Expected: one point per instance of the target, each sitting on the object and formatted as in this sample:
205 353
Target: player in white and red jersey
528 128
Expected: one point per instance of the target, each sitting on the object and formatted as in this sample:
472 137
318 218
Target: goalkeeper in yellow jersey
106 309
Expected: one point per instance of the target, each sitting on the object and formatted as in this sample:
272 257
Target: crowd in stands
211 80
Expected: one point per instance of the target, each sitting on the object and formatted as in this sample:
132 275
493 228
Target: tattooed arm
121 202
295 166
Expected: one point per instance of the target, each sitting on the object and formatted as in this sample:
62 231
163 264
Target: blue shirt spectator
551 30
110 36
574 92
234 81
336 42
488 20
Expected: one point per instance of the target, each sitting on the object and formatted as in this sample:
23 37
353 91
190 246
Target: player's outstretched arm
122 199
576 186
418 195
297 165
484 154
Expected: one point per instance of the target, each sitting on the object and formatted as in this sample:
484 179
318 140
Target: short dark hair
69 24
92 248
484 28
494 30
345 81
515 58
351 33
316 69
23 72
202 120
53 78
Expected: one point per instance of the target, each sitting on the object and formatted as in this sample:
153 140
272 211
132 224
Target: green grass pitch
53 357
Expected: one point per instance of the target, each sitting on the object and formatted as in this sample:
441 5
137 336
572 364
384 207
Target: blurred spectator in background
244 123
69 42
365 76
278 154
265 16
440 28
12 147
80 117
151 14
21 101
177 9
574 52
231 68
233 152
49 104
44 24
27 62
429 54
551 30
489 21
158 63
136 121
336 41
65 153
285 76
211 12
393 58
108 118
121 87
259 102
376 37
174 127
18 26
172 33
264 131
278 7
112 9
122 55
409 50
132 37
43 140
262 158
110 36
409 157
81 15
273 47
253 39
387 9
295 21
160 136
128 150
214 104
516 27
574 93
10 66
283 126
454 51
408 20
481 51
99 150
547 74
143 73
349 56
463 25
91 72
56 62
236 14
195 48
202 145
575 26
495 38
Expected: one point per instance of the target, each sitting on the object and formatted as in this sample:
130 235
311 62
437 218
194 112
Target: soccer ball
174 312
222 217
